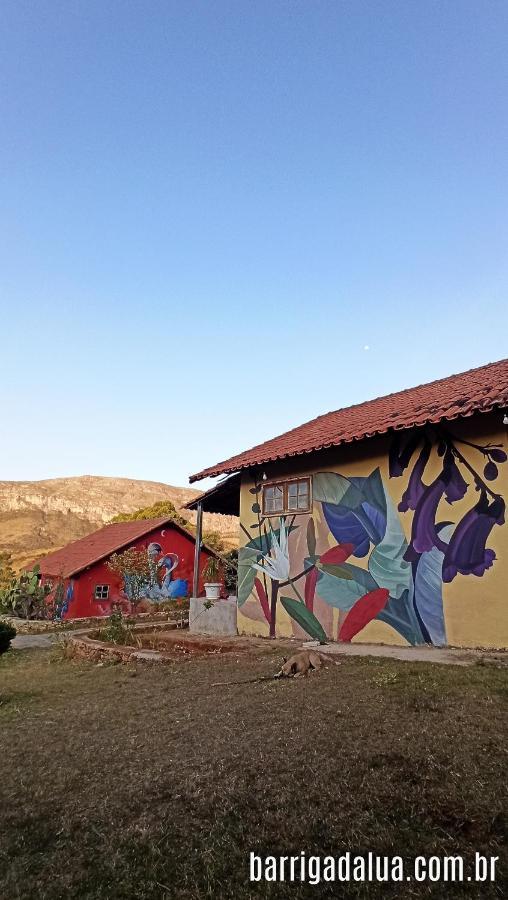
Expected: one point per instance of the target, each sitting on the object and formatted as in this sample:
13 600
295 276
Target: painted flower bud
490 471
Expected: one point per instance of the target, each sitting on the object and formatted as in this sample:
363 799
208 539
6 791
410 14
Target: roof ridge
415 387
149 525
313 438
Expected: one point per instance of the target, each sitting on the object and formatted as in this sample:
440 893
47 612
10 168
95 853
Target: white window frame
99 594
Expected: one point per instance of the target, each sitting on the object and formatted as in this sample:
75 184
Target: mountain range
37 517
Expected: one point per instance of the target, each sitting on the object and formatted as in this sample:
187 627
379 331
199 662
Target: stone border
97 651
45 626
93 649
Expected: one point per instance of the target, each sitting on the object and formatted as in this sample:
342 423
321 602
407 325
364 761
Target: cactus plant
26 597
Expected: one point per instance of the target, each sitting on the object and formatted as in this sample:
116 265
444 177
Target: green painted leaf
246 573
256 508
373 491
305 618
329 487
311 537
386 562
342 593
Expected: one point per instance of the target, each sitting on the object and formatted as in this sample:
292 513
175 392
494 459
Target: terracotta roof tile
478 390
102 543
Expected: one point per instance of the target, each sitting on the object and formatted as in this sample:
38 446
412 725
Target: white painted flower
276 563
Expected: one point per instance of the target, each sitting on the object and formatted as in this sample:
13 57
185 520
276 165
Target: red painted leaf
337 554
310 588
263 599
364 610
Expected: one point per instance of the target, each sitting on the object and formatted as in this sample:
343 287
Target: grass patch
158 785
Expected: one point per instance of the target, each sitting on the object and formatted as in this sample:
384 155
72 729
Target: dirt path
43 641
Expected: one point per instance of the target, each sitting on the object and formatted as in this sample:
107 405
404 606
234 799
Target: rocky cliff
39 516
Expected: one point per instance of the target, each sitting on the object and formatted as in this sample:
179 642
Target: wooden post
197 550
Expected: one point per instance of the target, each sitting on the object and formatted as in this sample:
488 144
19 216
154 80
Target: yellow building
381 522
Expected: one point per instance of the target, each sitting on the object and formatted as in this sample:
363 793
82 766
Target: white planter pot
212 591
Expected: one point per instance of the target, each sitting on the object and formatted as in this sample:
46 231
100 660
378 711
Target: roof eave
220 469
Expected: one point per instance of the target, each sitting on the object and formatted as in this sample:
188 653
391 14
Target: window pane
292 502
273 499
292 488
303 501
278 497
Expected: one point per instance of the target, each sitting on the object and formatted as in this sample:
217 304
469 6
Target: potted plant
212 573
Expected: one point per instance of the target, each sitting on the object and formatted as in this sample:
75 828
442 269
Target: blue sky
210 209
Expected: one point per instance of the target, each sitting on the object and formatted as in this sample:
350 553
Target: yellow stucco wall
475 608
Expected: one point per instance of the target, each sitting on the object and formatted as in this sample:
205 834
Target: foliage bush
7 634
133 567
165 508
173 605
116 631
161 508
231 570
212 539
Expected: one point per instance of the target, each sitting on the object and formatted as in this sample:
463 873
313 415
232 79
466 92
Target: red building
90 587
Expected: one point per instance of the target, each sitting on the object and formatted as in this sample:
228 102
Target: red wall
83 601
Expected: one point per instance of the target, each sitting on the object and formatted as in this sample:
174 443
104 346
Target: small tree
213 540
161 508
133 566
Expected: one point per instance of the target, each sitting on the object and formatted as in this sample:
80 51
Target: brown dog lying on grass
303 663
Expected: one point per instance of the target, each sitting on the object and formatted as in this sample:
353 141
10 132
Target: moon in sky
163 532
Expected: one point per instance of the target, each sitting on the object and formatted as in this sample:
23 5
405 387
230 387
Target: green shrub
7 633
116 631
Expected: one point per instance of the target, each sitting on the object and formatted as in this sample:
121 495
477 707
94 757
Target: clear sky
210 210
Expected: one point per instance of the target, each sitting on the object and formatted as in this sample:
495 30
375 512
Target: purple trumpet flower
424 535
416 488
456 486
401 451
466 553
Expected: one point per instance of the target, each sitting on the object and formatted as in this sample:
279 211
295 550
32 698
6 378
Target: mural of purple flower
466 553
424 535
401 451
416 487
456 486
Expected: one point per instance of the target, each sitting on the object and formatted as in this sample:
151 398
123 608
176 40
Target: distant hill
39 516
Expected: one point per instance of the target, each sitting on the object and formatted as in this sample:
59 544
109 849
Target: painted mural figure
160 585
372 571
168 588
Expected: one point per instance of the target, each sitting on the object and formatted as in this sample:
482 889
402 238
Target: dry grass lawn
150 783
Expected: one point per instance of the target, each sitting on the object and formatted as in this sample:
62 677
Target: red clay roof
102 543
478 390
